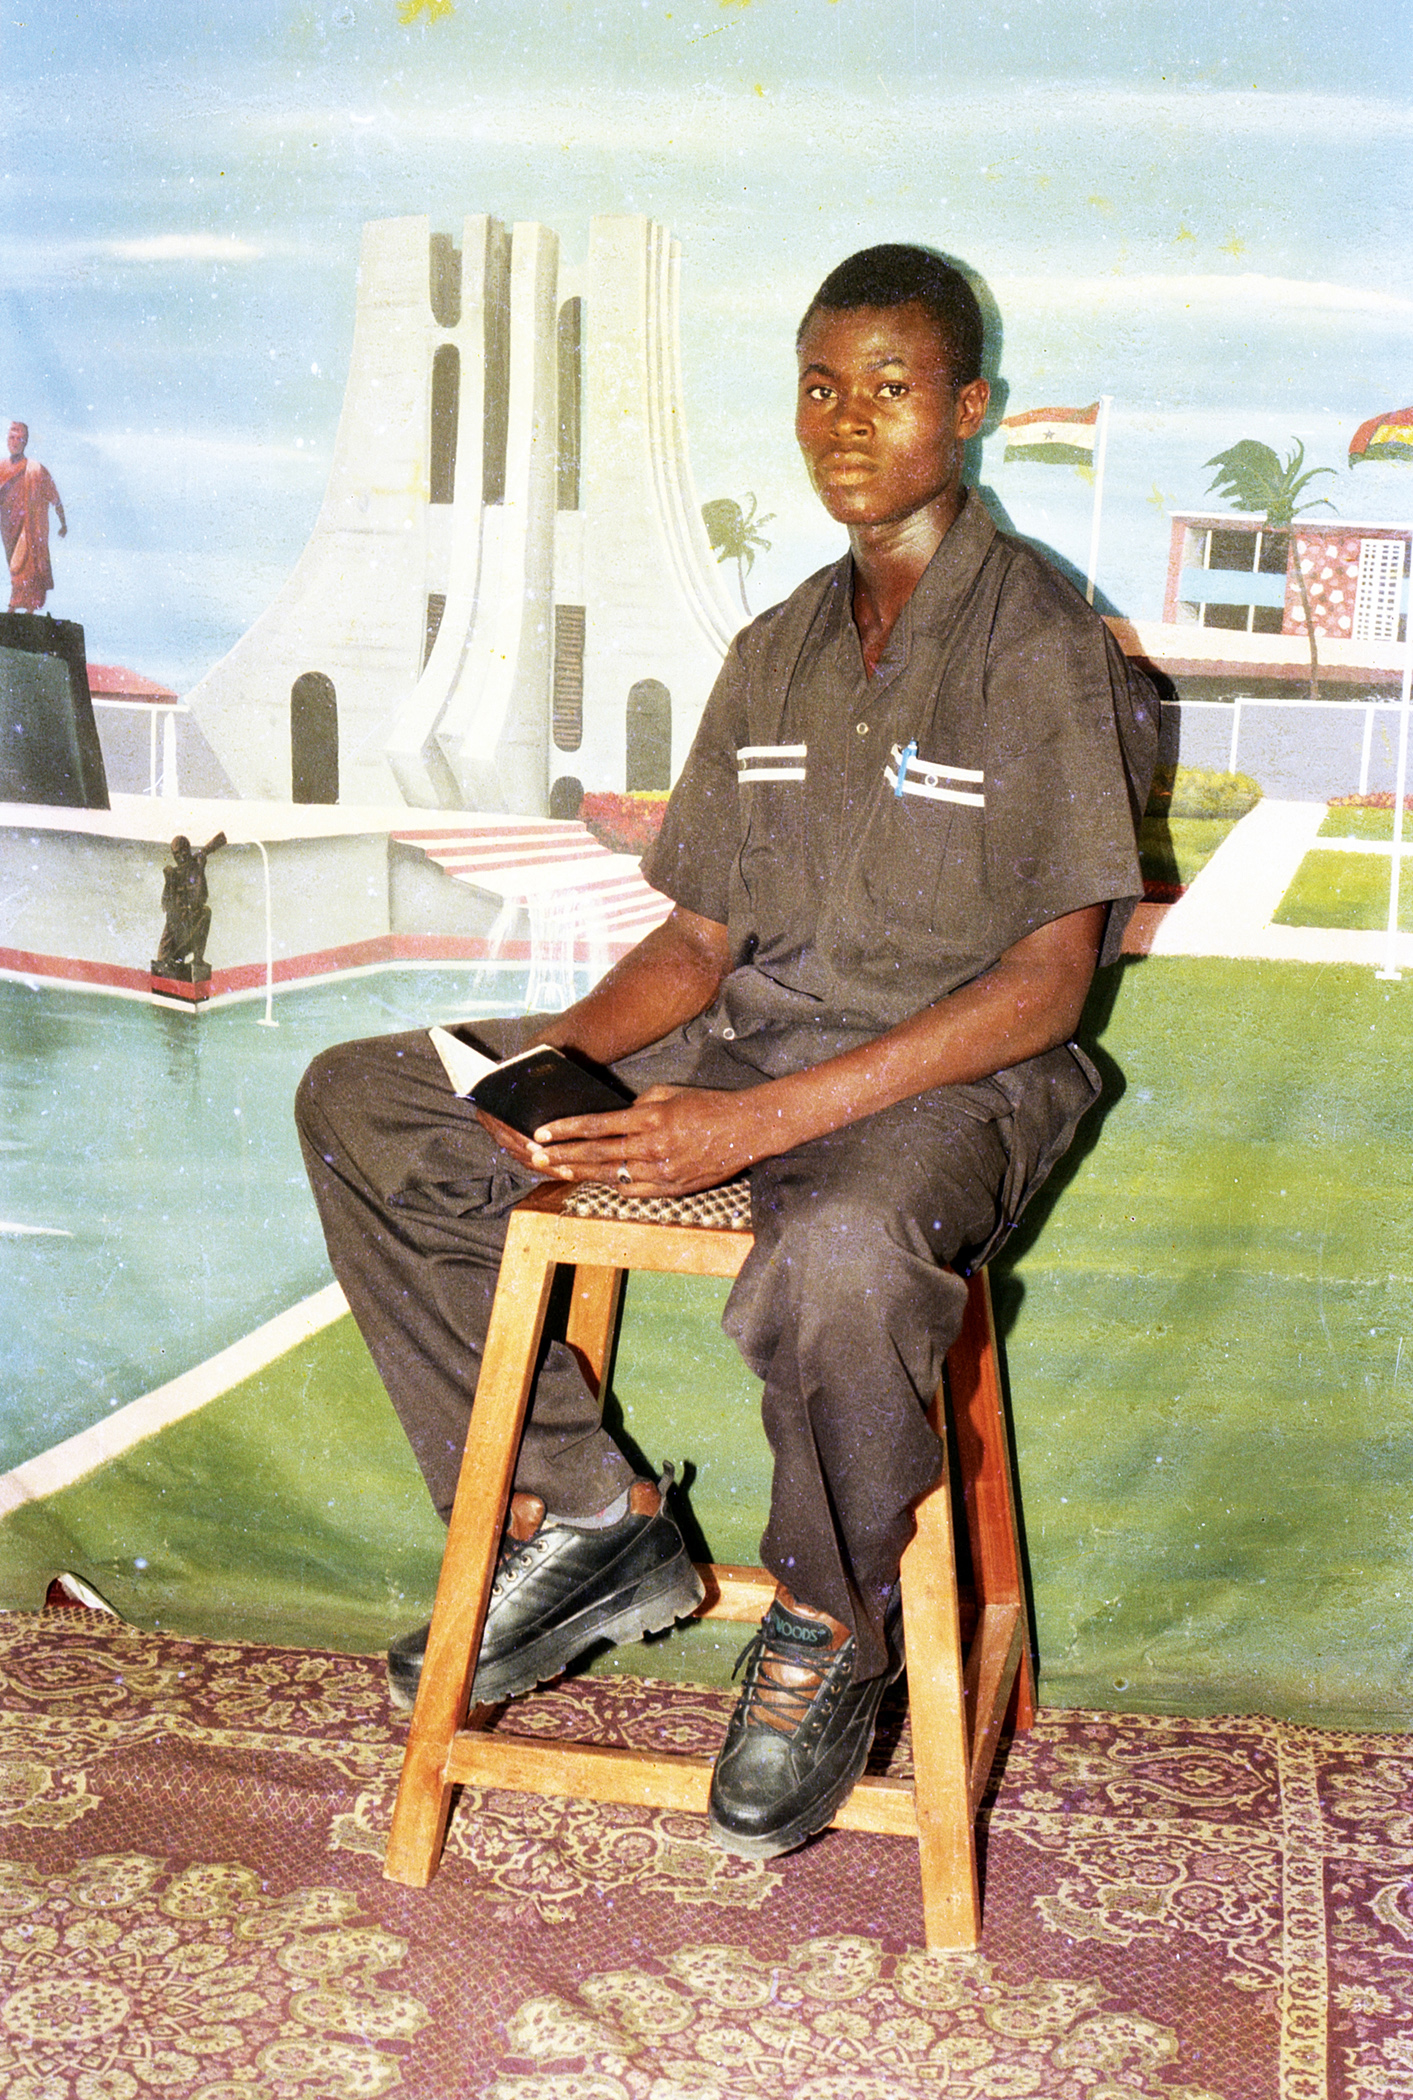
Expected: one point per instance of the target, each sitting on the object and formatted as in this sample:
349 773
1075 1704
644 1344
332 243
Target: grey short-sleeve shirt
872 844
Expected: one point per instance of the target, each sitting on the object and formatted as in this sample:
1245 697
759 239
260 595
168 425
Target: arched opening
567 702
649 737
571 395
436 607
444 280
313 739
446 401
566 795
495 416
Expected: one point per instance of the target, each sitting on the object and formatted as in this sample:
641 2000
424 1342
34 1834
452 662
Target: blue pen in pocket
905 759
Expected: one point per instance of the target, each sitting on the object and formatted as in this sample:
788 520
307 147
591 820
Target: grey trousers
845 1307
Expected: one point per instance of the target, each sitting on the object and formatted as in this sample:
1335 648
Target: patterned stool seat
726 1209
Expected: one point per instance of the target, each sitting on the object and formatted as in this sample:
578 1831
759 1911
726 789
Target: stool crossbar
958 1704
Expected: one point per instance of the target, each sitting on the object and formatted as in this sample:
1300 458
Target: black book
538 1086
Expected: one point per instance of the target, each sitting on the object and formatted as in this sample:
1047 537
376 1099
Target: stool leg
984 1447
593 1308
473 1535
951 1902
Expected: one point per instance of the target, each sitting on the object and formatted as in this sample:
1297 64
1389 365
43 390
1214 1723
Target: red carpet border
192 1908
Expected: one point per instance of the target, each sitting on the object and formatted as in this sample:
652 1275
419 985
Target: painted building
508 595
1234 570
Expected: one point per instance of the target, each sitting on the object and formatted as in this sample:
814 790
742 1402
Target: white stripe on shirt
923 778
772 754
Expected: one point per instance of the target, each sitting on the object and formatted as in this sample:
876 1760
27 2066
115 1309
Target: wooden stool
957 1709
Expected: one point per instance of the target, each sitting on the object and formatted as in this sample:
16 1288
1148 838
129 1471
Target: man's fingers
601 1152
515 1143
614 1123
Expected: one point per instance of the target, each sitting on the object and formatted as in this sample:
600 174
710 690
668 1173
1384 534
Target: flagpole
1390 971
1101 445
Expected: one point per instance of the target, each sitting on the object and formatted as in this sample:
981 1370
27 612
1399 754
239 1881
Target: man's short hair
898 274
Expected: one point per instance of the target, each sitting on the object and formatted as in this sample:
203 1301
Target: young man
905 832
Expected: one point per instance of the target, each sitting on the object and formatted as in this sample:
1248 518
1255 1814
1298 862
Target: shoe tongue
527 1513
792 1626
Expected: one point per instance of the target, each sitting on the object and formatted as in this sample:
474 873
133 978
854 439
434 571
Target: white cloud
594 115
181 247
1247 292
162 456
25 262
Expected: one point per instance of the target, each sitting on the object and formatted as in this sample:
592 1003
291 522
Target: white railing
1370 709
167 710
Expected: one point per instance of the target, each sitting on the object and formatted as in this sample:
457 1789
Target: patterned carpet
191 1908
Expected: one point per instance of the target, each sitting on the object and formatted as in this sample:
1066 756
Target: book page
463 1065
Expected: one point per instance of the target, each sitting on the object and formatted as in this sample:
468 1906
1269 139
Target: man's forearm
670 977
1028 1003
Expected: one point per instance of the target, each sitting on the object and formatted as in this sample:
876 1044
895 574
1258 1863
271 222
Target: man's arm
679 1140
671 976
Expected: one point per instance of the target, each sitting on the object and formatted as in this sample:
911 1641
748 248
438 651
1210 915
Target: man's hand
671 1141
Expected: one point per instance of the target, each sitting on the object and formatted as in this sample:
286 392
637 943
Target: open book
538 1086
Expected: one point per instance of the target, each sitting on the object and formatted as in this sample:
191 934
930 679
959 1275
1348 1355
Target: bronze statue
185 902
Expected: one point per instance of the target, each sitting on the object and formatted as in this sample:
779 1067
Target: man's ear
972 400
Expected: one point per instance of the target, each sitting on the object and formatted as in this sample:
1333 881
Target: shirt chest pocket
928 816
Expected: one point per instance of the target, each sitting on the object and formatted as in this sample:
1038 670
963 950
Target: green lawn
1175 849
1356 823
1345 890
1208 1326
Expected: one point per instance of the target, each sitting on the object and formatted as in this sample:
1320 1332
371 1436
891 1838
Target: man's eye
893 390
819 393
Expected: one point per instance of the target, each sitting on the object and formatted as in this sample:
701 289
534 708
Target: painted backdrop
1197 213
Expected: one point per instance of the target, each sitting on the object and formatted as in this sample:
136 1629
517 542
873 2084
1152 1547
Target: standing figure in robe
27 494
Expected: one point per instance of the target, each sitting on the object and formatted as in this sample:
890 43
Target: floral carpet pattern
192 1908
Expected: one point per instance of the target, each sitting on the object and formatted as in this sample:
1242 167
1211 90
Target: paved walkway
1227 909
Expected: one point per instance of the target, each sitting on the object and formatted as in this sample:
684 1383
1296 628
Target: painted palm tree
1251 476
735 535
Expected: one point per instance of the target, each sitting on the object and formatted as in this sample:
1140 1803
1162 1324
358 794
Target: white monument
509 584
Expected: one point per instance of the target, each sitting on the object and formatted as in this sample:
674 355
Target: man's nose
852 412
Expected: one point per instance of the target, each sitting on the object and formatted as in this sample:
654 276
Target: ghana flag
1383 437
1057 437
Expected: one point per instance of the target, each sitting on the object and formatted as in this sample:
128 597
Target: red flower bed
624 823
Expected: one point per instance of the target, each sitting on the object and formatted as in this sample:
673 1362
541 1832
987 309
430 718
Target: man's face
19 438
882 429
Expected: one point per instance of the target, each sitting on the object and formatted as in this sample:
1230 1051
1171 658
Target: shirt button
860 729
728 1035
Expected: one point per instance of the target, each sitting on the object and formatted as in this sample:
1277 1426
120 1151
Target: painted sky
1202 211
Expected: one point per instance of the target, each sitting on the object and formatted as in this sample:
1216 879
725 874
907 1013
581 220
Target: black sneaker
560 1589
800 1735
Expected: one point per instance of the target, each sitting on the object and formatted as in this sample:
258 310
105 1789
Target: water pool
154 1208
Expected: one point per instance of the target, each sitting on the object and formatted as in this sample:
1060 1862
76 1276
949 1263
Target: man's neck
889 562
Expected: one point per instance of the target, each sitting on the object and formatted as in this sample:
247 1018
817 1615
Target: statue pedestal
189 982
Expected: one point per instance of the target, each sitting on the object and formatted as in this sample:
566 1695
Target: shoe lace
515 1556
770 1697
